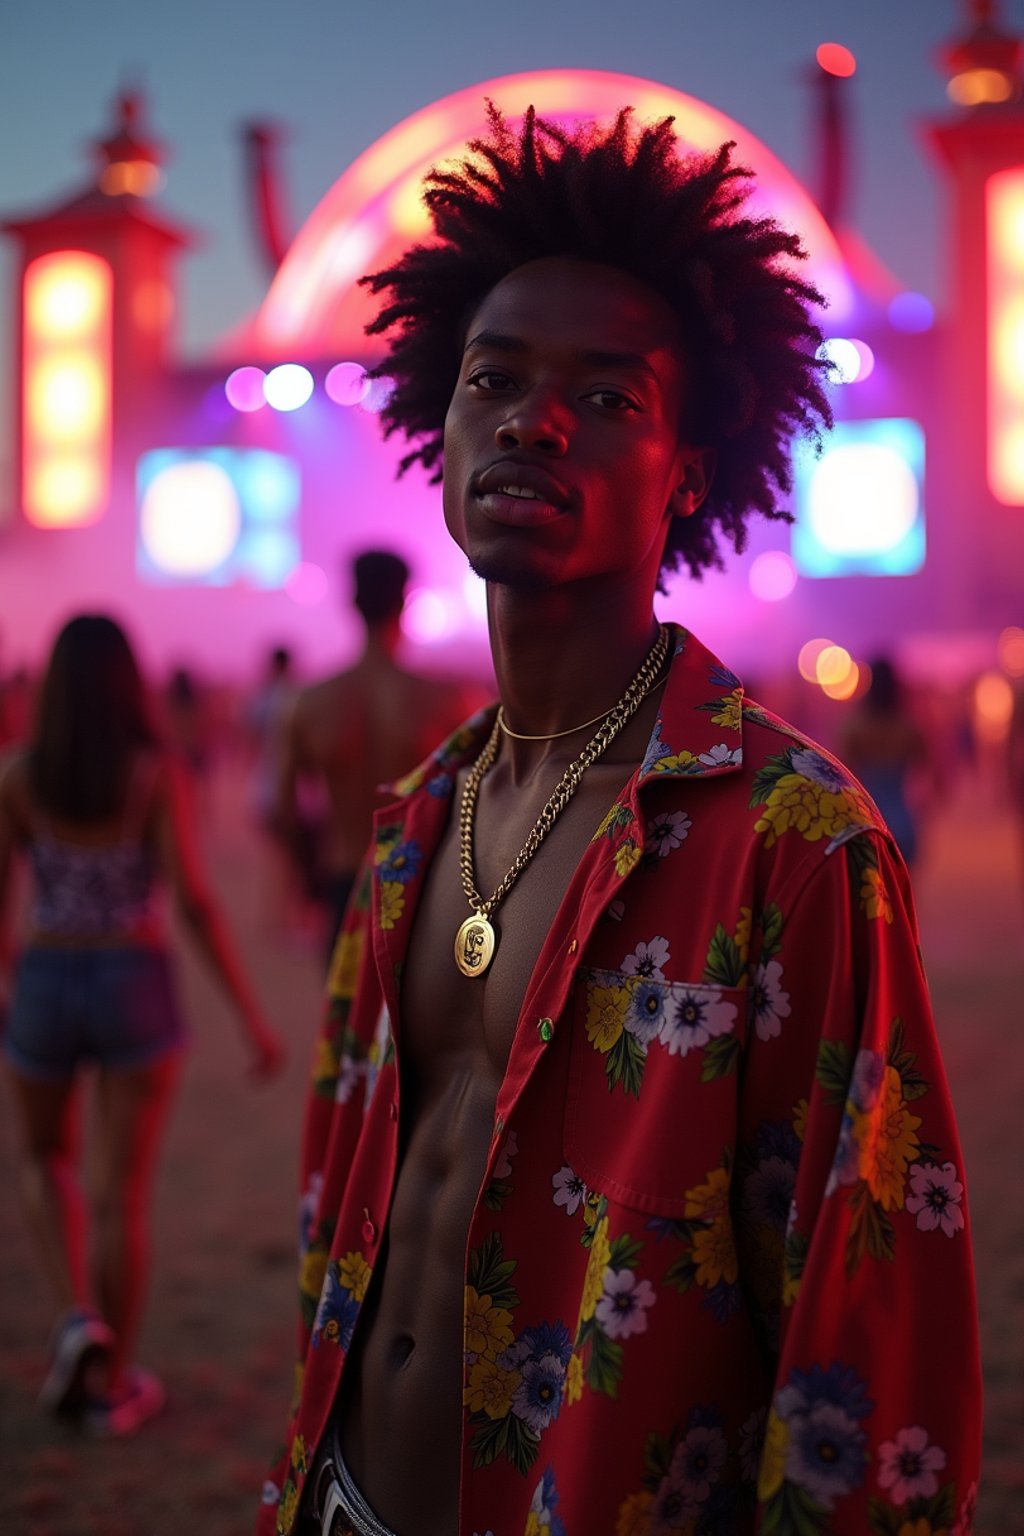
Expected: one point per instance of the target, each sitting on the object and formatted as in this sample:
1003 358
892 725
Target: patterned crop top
86 891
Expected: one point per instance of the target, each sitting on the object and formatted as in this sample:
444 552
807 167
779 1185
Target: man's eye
612 400
490 380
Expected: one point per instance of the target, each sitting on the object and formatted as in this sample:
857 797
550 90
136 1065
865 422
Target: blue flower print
646 1013
336 1313
402 863
826 1454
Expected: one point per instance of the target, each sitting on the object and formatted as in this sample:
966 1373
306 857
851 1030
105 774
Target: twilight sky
339 74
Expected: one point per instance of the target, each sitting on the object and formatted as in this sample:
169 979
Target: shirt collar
698 732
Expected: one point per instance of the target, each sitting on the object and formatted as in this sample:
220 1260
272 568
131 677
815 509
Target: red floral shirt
719 1274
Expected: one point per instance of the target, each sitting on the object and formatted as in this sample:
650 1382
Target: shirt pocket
651 1100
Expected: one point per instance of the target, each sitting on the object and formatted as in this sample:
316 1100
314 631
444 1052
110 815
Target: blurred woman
101 814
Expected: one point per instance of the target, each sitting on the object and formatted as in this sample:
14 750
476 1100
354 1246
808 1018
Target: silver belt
335 1495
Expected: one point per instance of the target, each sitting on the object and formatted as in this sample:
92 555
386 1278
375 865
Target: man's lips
520 494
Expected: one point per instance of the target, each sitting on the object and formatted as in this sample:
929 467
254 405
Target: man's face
562 453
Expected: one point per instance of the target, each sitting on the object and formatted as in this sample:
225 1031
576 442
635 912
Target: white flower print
908 1464
721 755
622 1310
667 831
503 1167
570 1190
936 1197
349 1073
769 1004
648 959
694 1016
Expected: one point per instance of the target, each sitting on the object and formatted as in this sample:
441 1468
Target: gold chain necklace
476 939
555 735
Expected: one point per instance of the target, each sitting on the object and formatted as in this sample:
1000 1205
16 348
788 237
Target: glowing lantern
1004 212
66 425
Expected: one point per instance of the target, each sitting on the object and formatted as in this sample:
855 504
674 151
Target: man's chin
500 572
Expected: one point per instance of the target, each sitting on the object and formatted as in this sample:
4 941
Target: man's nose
538 422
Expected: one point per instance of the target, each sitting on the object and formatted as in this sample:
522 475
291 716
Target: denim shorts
115 1007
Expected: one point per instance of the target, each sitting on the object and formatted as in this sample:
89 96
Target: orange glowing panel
1004 213
66 427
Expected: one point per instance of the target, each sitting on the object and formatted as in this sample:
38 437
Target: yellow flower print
312 1271
790 1288
810 808
325 1059
874 898
345 965
886 1137
773 1457
730 712
409 783
298 1456
634 1517
800 1118
618 816
710 1200
533 1526
714 1253
921 1527
606 1016
574 1380
392 903
288 1508
627 857
593 1282
742 935
385 843
490 1389
354 1274
487 1330
675 760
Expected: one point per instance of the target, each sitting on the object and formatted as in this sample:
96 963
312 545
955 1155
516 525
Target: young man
632 1190
358 729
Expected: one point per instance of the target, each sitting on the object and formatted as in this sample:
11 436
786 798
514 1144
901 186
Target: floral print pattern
735 1138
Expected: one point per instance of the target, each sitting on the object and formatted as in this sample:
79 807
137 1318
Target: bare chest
444 1010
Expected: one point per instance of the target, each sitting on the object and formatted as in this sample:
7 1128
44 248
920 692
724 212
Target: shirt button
369 1230
545 1028
573 947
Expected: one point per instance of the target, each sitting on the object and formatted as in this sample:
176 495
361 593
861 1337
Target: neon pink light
306 585
1004 214
372 212
244 389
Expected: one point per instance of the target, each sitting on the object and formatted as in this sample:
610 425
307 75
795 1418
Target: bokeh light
288 386
474 590
378 393
307 584
429 616
772 576
852 360
863 499
807 659
993 706
911 313
346 383
1010 649
834 59
66 294
244 389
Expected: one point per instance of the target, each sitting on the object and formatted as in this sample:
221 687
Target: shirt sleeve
865 1298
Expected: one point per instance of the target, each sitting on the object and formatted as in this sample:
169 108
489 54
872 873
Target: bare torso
362 729
401 1400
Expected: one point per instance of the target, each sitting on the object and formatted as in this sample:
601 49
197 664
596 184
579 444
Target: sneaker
81 1342
142 1398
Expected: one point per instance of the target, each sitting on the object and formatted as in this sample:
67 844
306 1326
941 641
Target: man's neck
563 657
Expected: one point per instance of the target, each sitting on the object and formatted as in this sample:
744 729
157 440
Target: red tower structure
95 338
981 150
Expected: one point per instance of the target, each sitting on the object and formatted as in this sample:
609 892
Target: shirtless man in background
361 728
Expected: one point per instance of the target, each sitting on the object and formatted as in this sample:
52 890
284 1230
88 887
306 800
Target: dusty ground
219 1323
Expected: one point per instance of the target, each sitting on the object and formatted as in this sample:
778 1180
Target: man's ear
697 470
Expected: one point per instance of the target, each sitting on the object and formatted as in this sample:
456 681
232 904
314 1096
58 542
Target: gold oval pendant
474 945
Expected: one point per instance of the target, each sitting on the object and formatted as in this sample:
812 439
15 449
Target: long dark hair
92 717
